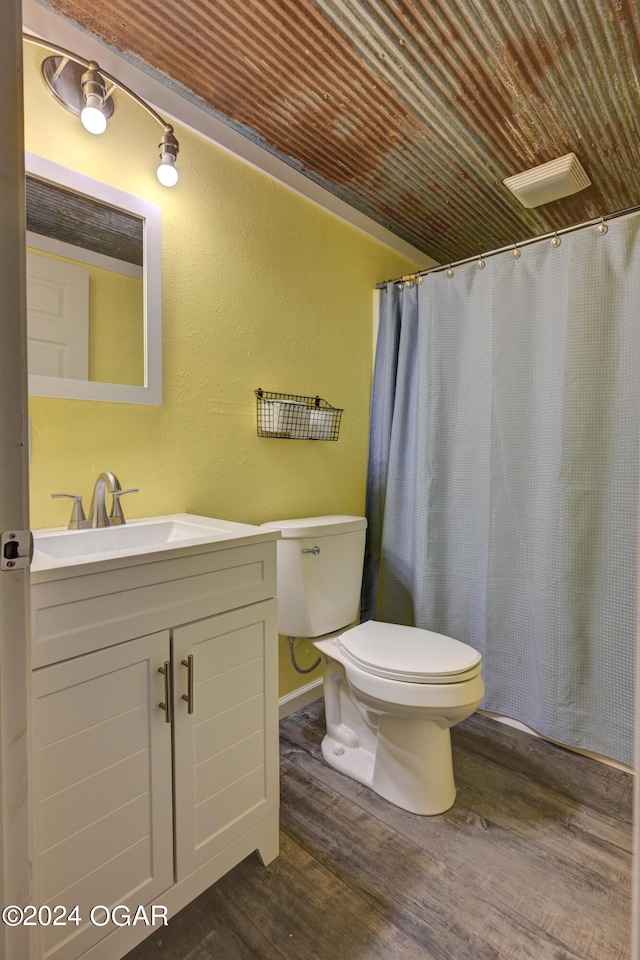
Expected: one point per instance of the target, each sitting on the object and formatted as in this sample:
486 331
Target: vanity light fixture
85 89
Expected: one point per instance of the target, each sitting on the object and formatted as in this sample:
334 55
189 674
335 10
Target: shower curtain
502 491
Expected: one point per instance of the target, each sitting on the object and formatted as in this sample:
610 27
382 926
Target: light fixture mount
63 78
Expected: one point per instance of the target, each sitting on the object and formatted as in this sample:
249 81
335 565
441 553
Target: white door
57 318
14 583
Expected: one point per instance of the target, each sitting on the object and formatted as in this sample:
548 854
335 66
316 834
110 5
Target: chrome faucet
107 482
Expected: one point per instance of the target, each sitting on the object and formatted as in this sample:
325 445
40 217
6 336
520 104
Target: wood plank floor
533 861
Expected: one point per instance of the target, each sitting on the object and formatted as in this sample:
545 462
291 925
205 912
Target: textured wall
260 288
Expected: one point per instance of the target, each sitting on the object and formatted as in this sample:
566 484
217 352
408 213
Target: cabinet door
226 750
102 786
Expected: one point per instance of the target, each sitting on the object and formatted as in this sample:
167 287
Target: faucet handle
116 517
78 519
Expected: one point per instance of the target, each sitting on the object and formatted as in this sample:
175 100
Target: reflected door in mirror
57 318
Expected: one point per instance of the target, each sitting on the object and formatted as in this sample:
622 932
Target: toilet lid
409 653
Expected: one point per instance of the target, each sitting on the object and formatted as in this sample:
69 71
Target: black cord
291 641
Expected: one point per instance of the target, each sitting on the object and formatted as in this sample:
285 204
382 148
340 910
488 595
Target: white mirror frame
151 392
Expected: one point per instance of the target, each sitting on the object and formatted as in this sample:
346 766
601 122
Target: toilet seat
409 654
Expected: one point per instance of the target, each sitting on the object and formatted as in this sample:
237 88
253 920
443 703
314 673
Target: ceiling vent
550 181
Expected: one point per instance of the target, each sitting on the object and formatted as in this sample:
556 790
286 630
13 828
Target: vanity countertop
60 553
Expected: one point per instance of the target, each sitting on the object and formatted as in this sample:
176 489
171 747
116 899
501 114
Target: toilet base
410 766
394 736
355 762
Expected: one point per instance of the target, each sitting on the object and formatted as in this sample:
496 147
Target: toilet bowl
391 692
390 733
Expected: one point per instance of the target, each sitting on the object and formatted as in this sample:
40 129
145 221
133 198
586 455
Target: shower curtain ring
555 240
515 253
449 271
480 264
602 227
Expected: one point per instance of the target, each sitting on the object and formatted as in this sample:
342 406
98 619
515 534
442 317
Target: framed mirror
94 288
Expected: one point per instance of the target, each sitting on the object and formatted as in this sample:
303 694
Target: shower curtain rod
513 246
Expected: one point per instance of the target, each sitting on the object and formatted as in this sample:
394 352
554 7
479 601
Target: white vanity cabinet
155 756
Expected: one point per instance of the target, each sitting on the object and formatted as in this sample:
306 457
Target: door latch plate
16 549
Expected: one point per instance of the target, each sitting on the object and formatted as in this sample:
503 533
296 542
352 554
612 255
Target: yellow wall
261 288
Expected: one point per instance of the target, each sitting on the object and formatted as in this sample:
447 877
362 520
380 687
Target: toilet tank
320 562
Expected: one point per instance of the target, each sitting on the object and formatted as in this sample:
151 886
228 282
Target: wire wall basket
293 417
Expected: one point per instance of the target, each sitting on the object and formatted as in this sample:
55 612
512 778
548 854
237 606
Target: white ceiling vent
550 181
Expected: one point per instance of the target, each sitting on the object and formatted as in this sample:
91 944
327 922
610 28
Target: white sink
61 548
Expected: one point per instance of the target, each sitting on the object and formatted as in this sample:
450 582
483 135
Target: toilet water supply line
291 641
361 710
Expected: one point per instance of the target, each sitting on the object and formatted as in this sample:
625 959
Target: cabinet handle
168 698
188 696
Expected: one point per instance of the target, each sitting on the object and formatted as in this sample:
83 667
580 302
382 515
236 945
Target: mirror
94 295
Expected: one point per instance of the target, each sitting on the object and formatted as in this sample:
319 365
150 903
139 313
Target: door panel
57 318
225 748
102 786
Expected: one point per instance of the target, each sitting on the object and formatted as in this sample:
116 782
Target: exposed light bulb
93 119
167 173
94 93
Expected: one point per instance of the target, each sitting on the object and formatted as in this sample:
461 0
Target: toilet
391 692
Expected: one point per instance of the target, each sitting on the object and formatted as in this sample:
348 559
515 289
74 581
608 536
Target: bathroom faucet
98 510
107 482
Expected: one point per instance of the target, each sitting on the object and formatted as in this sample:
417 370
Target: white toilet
391 692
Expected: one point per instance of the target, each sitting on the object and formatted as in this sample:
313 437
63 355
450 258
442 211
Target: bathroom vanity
154 720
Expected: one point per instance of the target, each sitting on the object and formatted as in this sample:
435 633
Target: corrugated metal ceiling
413 111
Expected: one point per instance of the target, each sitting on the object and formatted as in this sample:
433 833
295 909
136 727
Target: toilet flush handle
314 550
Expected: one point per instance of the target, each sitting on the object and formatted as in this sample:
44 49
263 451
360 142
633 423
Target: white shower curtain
503 476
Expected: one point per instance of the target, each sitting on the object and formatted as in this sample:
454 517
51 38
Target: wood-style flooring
533 861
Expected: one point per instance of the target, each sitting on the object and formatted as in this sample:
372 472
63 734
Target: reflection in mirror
85 306
93 289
